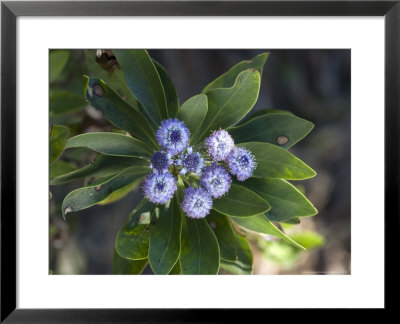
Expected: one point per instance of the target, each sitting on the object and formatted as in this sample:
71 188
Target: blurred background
312 84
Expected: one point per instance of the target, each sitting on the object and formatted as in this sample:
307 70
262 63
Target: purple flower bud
160 162
197 202
216 180
191 162
159 188
241 163
219 144
172 136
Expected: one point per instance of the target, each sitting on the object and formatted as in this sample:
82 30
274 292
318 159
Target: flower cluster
205 174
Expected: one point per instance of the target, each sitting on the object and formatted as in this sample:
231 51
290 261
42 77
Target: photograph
251 146
199 161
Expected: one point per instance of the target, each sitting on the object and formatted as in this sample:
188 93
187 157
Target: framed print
162 159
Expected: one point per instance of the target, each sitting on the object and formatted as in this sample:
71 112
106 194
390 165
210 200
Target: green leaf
278 129
309 239
240 202
169 89
112 75
133 238
102 167
142 78
58 139
176 270
60 167
223 231
199 248
262 112
192 112
244 263
123 266
227 106
86 197
274 162
294 220
118 112
165 242
261 224
119 194
58 60
227 79
285 200
64 102
111 144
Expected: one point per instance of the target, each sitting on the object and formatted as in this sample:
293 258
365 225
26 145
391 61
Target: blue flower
159 187
219 144
216 180
172 136
160 162
190 162
241 163
197 202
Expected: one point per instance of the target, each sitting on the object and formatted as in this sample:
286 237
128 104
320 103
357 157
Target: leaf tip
66 211
313 173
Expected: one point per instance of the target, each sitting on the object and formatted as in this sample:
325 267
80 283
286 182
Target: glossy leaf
171 95
112 75
240 202
133 238
227 106
294 220
274 162
165 243
58 139
223 231
193 112
103 166
143 80
261 224
111 144
86 197
285 200
58 60
119 194
176 270
279 129
118 112
122 266
244 263
60 167
64 102
227 79
199 248
262 112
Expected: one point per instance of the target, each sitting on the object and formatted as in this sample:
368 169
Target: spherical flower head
172 136
191 162
159 188
219 144
216 180
241 163
160 162
197 202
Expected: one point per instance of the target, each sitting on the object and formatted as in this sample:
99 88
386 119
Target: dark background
312 84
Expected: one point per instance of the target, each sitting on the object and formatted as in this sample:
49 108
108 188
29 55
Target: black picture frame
10 10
